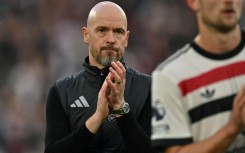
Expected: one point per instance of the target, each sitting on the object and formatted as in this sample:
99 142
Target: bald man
104 108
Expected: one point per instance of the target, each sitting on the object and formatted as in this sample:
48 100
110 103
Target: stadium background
41 41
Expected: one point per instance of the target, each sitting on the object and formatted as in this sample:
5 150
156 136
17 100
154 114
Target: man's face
222 15
107 37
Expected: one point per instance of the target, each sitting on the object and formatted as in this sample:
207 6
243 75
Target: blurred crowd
41 41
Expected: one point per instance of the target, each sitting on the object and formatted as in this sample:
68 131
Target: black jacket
72 100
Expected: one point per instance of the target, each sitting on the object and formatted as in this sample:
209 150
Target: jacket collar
94 71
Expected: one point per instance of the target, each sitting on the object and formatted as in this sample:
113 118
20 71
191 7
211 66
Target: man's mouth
228 11
109 48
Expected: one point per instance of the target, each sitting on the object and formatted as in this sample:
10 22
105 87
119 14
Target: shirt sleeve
170 121
58 137
136 132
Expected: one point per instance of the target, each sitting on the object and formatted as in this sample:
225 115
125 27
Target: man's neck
219 43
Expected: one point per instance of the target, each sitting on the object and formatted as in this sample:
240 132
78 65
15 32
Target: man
198 93
105 107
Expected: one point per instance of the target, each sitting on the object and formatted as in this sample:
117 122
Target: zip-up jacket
72 100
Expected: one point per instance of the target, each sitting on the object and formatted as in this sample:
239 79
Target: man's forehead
108 12
109 25
108 20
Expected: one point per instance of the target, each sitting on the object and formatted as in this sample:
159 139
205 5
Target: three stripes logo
81 102
208 93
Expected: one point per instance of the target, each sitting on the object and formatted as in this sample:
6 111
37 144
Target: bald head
106 10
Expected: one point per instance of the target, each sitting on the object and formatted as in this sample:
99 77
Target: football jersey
192 95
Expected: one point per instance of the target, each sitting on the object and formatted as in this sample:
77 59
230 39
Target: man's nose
110 38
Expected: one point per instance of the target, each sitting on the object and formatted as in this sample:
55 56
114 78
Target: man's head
219 15
106 34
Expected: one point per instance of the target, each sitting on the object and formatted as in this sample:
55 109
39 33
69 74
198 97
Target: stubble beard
105 61
220 26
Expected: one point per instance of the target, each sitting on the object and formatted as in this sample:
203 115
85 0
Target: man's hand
237 121
111 93
103 101
102 110
116 81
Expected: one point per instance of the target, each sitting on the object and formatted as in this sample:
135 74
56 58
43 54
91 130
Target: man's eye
119 31
102 30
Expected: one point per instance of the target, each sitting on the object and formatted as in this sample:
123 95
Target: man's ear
85 35
126 44
193 5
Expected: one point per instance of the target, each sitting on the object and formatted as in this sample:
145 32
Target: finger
115 75
238 98
122 67
105 90
113 88
242 101
110 81
123 76
243 116
118 69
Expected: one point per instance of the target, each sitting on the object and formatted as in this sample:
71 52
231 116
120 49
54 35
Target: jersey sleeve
170 121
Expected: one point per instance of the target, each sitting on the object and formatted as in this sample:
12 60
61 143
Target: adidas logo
81 102
208 93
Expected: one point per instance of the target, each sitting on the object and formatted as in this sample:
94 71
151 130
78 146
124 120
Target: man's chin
106 62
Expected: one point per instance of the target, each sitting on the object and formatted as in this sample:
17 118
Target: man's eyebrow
101 27
119 29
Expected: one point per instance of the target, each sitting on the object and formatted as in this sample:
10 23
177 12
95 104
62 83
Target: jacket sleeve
59 138
136 132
